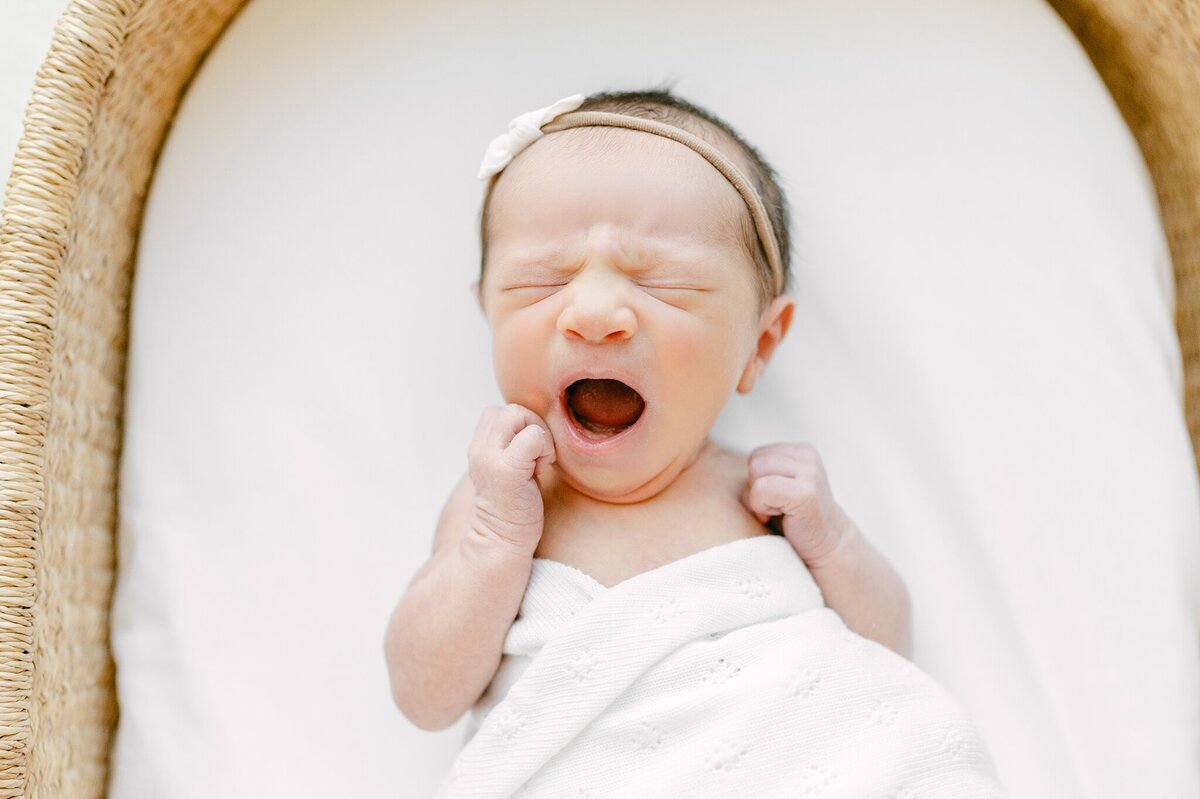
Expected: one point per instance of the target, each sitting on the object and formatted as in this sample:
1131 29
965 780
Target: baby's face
623 305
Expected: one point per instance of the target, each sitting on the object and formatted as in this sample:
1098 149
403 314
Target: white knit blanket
721 674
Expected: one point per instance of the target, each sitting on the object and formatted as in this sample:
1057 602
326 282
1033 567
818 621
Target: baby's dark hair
661 105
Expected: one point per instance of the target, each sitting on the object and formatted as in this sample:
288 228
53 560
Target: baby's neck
699 509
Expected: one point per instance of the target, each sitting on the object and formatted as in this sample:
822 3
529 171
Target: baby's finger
503 424
773 495
797 449
493 433
745 498
773 461
548 454
526 447
798 452
523 417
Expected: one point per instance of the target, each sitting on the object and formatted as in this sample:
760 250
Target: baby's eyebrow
543 257
670 253
638 257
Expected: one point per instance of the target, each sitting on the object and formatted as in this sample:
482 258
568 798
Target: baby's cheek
695 382
708 359
519 376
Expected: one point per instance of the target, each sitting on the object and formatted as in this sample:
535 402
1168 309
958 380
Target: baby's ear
772 327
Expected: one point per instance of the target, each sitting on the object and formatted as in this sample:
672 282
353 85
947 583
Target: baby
634 262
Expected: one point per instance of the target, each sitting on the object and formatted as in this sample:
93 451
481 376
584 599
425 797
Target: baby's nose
598 315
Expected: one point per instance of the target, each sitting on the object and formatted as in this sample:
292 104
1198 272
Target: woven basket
101 107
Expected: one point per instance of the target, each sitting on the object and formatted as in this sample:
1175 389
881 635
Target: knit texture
720 674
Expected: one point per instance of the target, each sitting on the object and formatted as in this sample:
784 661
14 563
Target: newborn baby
603 557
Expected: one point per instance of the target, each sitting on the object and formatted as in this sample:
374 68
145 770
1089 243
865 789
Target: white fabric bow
522 132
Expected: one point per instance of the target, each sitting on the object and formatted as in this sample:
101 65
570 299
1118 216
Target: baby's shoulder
716 475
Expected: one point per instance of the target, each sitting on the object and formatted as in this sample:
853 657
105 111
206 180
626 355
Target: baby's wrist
485 537
845 546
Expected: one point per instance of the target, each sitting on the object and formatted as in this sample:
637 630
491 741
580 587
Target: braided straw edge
34 240
101 105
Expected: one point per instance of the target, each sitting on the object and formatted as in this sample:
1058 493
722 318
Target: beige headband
530 126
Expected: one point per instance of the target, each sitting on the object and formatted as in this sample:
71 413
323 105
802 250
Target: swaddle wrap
720 674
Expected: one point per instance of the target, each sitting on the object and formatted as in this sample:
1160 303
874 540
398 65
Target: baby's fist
789 480
510 447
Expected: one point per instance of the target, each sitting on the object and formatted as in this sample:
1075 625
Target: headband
532 125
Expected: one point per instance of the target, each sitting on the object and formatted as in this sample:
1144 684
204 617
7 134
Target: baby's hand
789 480
511 446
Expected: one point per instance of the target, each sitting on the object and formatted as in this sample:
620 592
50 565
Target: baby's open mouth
603 408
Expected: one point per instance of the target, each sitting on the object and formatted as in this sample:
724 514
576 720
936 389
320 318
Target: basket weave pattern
101 107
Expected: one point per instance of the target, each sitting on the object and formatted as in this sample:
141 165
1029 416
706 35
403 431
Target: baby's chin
617 488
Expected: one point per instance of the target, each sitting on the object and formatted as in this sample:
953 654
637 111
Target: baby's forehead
584 141
563 166
587 136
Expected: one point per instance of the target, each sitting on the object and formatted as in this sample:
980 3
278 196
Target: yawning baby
606 592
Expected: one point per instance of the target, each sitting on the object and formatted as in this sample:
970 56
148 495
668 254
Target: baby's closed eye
674 275
673 285
533 276
535 284
532 285
677 290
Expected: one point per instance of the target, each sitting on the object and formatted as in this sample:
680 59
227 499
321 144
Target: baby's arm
443 641
857 582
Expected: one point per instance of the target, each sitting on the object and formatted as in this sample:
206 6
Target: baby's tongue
604 406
